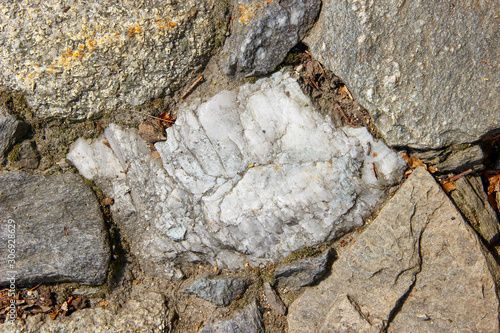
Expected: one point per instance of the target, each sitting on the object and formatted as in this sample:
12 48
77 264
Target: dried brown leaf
344 93
107 201
432 169
449 186
494 184
412 161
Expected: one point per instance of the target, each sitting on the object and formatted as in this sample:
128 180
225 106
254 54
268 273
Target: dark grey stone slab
274 300
11 130
220 290
470 198
304 272
427 71
457 158
248 320
60 235
262 34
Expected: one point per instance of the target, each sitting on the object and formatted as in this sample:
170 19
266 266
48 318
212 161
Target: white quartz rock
248 176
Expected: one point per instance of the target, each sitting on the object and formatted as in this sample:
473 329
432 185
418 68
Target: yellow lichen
134 29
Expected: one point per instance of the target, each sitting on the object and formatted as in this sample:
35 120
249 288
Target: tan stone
418 254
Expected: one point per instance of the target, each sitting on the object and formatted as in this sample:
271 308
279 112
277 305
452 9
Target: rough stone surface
43 211
470 198
455 159
274 300
248 320
418 252
263 32
24 156
11 130
427 71
220 290
145 312
79 59
301 273
247 176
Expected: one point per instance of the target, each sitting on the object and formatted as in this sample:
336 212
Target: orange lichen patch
77 55
269 1
90 44
135 29
171 24
246 13
245 17
161 24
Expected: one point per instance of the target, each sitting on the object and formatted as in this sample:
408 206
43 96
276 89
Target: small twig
191 87
374 168
456 177
35 287
491 172
315 84
344 115
323 70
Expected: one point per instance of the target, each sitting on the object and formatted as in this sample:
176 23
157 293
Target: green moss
291 59
251 79
303 253
95 188
14 155
267 275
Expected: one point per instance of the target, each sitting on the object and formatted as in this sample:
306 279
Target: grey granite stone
82 59
247 320
58 229
427 71
263 32
418 267
220 290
